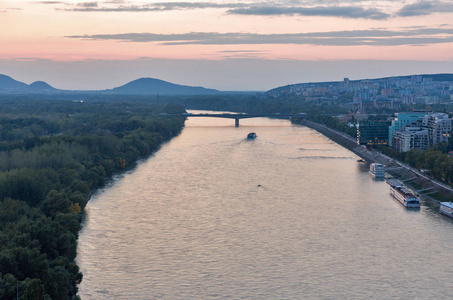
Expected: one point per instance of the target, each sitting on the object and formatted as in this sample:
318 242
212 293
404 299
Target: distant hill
7 84
142 86
152 86
12 86
41 86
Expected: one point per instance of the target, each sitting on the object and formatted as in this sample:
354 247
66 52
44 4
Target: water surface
289 215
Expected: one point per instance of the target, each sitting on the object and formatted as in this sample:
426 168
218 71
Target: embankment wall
398 170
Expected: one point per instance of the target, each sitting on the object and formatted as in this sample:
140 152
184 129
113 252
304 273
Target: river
289 215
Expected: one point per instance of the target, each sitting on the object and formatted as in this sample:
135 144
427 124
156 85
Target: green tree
35 290
54 203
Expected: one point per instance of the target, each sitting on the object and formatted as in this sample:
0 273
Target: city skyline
225 45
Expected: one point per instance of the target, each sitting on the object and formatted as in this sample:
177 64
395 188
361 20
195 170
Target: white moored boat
377 170
404 196
446 208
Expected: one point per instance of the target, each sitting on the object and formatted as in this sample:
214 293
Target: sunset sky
227 45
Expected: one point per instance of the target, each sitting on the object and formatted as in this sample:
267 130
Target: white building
410 138
439 126
403 119
422 133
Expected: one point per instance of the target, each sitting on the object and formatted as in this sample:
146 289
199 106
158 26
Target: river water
289 215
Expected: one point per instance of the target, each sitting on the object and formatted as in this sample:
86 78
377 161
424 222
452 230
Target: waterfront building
410 138
372 133
401 141
401 120
422 133
439 127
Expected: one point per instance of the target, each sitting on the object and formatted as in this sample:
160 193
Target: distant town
405 131
377 93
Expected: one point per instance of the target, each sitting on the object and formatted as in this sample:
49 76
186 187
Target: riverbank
434 191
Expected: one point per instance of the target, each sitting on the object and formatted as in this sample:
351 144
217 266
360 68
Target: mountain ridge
146 86
141 86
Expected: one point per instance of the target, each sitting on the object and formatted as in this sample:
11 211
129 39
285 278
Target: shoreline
411 177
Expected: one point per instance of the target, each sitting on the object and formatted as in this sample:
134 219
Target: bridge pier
236 122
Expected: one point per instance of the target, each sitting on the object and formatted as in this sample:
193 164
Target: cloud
378 37
353 12
425 8
241 53
5 10
351 9
154 7
271 8
50 2
88 4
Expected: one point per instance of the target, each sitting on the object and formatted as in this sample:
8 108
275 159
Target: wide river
289 215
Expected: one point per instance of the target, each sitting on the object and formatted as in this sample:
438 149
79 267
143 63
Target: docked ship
402 194
446 208
251 136
377 170
393 182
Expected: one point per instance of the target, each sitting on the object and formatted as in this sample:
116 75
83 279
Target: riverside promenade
410 176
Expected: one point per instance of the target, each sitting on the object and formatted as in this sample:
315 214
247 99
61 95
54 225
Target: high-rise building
346 83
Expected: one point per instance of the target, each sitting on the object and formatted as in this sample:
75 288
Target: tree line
435 161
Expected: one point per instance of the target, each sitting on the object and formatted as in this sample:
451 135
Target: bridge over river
237 117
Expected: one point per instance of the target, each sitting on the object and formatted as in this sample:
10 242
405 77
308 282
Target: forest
53 155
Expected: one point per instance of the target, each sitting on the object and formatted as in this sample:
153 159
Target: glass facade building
373 133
